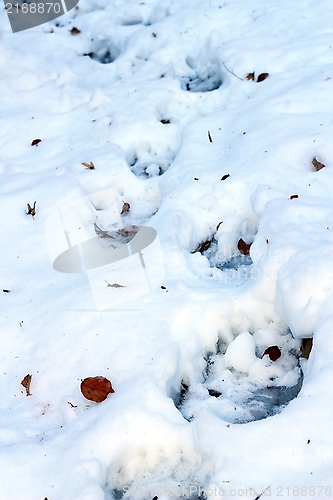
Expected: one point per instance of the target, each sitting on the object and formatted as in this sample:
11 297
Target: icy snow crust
186 360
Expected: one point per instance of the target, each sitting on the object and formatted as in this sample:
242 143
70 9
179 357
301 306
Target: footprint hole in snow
149 164
260 389
117 493
103 51
225 261
203 79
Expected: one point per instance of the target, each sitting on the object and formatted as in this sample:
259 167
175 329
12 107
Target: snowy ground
163 109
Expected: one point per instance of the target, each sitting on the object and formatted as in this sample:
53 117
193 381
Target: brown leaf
75 31
273 352
31 210
115 285
26 382
129 230
317 164
262 77
96 388
224 177
209 137
293 197
243 247
250 76
126 208
35 142
204 246
306 347
89 166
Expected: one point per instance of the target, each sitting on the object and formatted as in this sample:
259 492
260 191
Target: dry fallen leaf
26 382
96 388
129 230
317 164
204 246
243 247
126 208
262 77
31 210
115 285
35 142
224 177
273 352
250 76
75 31
306 347
89 166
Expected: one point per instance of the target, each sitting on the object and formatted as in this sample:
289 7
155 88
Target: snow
163 109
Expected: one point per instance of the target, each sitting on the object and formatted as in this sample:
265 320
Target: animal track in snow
151 160
240 394
203 79
103 51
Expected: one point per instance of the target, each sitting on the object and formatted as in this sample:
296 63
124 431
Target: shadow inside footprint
203 79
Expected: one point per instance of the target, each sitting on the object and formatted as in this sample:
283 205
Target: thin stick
239 78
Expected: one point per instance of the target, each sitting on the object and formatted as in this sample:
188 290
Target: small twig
209 137
239 78
101 233
257 497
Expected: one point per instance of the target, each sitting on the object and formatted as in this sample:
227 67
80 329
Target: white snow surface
162 74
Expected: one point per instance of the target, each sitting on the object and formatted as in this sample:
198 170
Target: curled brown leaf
262 77
317 164
35 142
26 382
250 76
89 166
243 247
126 208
